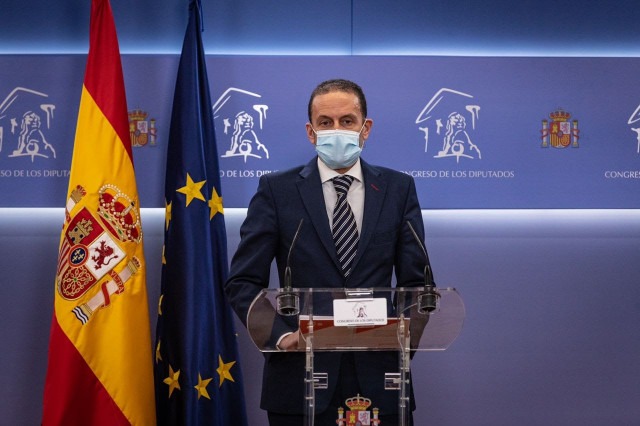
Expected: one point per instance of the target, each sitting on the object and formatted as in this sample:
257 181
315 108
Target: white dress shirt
355 196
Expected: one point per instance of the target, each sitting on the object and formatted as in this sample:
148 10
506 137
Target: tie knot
342 184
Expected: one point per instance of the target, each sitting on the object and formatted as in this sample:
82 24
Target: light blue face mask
338 149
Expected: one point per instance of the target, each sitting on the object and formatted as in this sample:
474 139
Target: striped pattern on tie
344 229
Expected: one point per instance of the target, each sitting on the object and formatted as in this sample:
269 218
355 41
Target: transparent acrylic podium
331 319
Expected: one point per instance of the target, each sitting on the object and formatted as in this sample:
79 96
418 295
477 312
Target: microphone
427 301
288 302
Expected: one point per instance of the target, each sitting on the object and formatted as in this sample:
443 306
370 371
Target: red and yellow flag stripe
100 363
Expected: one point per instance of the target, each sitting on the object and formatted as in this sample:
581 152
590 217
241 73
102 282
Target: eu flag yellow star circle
215 204
224 370
201 387
172 380
192 190
167 215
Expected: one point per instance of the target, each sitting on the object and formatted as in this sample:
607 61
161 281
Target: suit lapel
375 189
310 190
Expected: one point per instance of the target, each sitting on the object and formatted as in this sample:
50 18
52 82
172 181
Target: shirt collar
327 173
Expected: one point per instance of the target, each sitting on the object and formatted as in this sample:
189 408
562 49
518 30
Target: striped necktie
344 229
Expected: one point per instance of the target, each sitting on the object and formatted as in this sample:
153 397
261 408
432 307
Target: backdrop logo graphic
450 118
634 118
242 119
142 131
25 120
560 132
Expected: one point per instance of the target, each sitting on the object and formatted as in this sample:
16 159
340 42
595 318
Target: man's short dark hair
339 85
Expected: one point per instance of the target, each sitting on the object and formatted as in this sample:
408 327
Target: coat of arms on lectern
358 413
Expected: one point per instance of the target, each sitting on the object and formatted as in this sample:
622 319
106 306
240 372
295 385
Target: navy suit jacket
386 243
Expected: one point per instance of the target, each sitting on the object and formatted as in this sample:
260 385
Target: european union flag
197 373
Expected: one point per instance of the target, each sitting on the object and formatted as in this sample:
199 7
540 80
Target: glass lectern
374 319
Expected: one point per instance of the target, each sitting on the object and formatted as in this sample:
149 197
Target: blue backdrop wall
541 240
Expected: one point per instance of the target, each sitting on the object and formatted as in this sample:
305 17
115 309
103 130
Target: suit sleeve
410 259
251 264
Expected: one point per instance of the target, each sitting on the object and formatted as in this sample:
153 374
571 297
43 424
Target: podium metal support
404 361
309 383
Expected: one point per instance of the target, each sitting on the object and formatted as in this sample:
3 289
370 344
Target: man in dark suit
354 235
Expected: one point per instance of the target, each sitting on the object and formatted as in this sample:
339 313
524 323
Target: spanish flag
100 363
